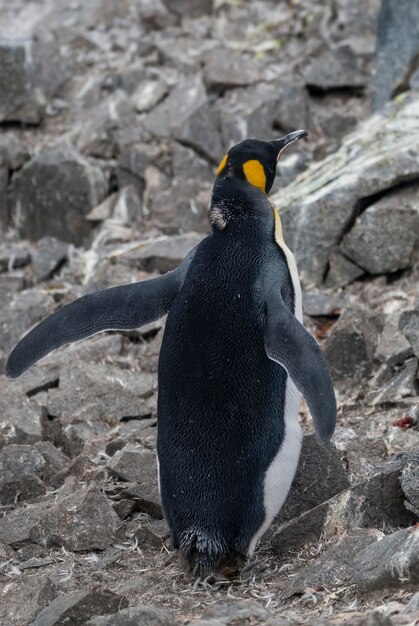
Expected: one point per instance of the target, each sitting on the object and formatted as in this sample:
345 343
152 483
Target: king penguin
234 362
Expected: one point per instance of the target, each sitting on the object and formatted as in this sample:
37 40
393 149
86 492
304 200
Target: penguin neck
235 204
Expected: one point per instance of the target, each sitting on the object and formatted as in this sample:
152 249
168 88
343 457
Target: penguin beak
283 142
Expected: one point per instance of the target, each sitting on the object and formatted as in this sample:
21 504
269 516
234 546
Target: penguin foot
204 556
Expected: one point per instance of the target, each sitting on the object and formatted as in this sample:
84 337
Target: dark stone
20 418
50 253
383 238
84 520
24 68
201 132
153 533
335 68
397 49
101 391
23 598
334 566
316 303
375 503
133 162
13 256
134 616
54 192
15 527
390 563
20 467
350 348
320 475
77 607
410 478
139 465
409 324
163 255
191 8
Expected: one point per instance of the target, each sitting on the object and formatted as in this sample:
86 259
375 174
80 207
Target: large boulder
322 205
53 194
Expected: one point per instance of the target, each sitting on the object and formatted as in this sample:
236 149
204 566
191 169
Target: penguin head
254 162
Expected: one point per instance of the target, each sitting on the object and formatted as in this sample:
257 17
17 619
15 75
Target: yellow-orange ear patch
255 174
222 165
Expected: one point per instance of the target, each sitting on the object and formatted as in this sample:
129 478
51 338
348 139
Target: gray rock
50 253
77 607
396 50
361 455
392 562
164 254
383 238
409 324
133 162
148 94
20 467
201 132
98 136
101 391
320 475
15 527
17 316
135 615
334 69
410 478
341 271
13 256
413 604
184 100
23 67
191 8
236 613
316 303
153 534
136 464
374 503
403 384
183 207
239 71
393 348
82 521
372 159
334 567
23 598
350 348
54 192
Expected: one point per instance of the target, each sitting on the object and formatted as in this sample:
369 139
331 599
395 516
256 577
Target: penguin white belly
281 471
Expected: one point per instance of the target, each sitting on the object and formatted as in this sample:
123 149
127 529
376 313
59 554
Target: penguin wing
288 343
119 308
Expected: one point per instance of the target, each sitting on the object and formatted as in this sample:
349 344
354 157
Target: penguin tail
205 555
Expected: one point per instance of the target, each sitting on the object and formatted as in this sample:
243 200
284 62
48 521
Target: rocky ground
113 116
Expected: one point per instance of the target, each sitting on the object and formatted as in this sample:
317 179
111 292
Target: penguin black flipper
119 308
288 343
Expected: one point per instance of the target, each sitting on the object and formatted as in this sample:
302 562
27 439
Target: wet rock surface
115 119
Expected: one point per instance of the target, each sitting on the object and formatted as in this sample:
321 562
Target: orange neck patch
255 174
